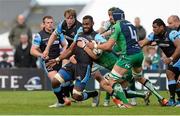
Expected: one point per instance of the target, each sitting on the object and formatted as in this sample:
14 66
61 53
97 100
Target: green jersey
124 33
107 60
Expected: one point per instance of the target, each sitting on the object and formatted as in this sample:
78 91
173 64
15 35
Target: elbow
109 48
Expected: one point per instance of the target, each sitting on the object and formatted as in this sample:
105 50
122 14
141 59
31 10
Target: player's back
127 38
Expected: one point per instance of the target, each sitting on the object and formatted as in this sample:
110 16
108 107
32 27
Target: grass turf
36 103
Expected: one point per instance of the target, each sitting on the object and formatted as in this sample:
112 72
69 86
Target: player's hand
51 63
72 59
81 44
167 60
45 54
90 45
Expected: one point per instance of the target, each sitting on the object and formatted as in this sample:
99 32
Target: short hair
137 18
88 17
71 12
159 22
46 17
175 17
112 9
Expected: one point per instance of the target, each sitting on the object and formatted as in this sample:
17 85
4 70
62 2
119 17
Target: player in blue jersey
38 46
169 41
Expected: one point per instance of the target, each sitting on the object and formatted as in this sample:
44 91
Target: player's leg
137 60
59 78
106 84
171 84
176 70
149 86
178 92
132 87
82 77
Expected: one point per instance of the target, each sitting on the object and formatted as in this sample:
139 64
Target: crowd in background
20 38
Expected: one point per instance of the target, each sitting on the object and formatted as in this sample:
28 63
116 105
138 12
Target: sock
150 87
132 86
172 88
107 97
178 93
119 93
59 95
132 94
87 95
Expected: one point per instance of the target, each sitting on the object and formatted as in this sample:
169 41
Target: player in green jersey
124 35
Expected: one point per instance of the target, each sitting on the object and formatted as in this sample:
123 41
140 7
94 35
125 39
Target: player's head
137 21
20 19
87 24
48 23
70 17
158 26
118 14
173 21
110 14
5 56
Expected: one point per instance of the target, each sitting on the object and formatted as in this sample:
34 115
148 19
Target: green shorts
129 61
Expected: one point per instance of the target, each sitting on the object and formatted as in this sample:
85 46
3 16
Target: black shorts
175 70
56 67
78 72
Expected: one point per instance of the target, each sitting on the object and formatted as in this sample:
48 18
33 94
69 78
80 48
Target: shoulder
79 24
151 37
174 34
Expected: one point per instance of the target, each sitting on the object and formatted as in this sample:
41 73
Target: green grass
36 103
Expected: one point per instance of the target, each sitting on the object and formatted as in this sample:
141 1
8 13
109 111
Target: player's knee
57 80
136 75
77 95
170 75
104 83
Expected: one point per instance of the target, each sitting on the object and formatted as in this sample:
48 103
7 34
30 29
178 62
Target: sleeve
174 35
36 40
99 38
58 29
150 37
115 31
78 31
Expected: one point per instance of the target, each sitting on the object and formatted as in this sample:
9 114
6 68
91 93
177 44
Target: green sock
107 97
149 85
119 93
132 94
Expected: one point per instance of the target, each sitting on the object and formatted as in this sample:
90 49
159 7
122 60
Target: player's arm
66 53
107 46
57 33
51 40
147 41
176 54
90 53
64 43
35 50
175 37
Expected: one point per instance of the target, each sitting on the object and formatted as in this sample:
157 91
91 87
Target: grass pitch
36 103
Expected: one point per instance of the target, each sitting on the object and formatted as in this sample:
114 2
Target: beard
87 31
